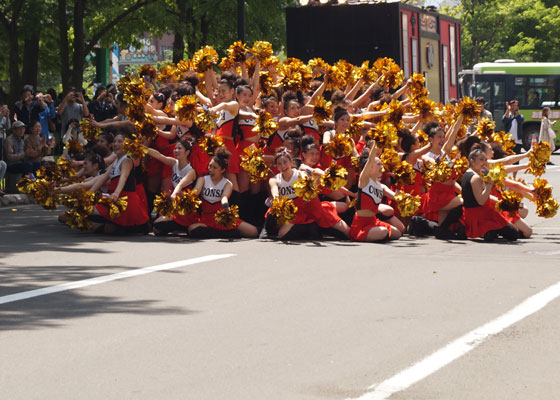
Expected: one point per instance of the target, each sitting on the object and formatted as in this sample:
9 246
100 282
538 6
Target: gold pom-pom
135 112
384 134
347 71
392 73
424 107
25 185
356 128
404 174
270 62
548 209
538 159
460 166
187 202
148 70
283 209
209 144
505 139
334 177
509 202
395 114
227 217
340 146
43 193
423 138
74 147
163 204
265 82
407 204
204 121
146 129
115 207
237 51
89 131
390 159
168 73
439 171
185 108
469 109
205 59
318 66
485 129
367 74
322 110
265 125
226 64
135 147
183 69
81 205
262 50
253 162
417 86
295 75
542 191
306 187
334 78
496 174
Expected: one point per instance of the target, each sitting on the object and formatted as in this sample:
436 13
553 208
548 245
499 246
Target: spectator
24 106
70 109
513 124
36 146
103 105
15 150
484 113
5 125
45 112
73 132
546 133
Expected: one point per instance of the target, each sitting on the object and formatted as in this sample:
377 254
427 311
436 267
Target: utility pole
241 20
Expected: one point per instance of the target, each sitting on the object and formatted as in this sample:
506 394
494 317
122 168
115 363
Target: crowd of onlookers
40 123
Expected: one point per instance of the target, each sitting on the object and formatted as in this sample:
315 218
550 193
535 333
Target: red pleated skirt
362 225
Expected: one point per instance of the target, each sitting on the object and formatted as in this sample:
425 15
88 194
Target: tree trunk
30 68
65 72
204 27
15 77
78 58
179 32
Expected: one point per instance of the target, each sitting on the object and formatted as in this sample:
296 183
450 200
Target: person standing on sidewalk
513 124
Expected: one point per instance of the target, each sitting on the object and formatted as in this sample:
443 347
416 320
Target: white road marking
108 278
459 347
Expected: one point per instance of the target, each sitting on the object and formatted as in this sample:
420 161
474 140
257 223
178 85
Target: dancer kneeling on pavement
480 217
134 219
215 189
366 227
311 217
183 177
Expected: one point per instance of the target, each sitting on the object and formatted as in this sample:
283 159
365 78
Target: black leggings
508 232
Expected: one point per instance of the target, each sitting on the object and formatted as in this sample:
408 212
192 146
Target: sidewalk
15 200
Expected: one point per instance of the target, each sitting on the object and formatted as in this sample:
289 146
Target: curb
15 200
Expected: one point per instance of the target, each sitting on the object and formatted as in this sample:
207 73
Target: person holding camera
45 112
103 106
73 133
72 107
5 126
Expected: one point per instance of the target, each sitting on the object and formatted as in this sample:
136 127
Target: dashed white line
459 347
108 278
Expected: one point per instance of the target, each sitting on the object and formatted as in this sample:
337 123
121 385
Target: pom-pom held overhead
469 108
237 51
135 147
392 73
485 129
205 59
185 108
262 50
265 125
322 110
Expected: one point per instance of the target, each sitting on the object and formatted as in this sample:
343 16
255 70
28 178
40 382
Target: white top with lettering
116 170
374 190
213 193
179 174
285 188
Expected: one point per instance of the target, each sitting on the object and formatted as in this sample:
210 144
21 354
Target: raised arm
169 161
364 177
451 135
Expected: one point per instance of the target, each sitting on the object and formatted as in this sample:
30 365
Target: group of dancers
369 128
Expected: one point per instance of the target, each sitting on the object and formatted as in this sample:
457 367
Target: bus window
498 102
534 92
483 89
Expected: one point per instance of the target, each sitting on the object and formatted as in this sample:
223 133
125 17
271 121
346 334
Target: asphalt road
272 321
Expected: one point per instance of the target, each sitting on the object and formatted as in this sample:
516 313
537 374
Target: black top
469 201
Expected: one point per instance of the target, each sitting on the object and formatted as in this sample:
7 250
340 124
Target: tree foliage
523 30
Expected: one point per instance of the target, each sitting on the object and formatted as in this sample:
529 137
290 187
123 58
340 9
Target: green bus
534 85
